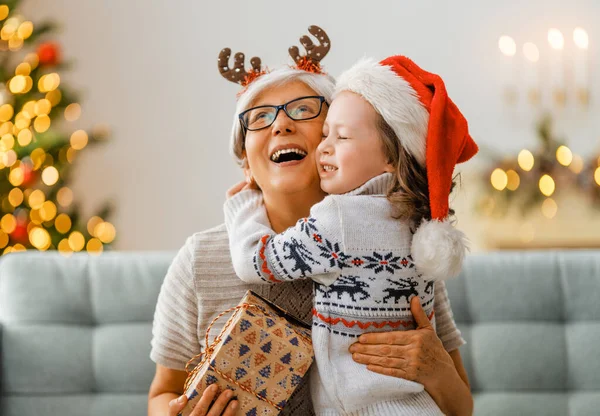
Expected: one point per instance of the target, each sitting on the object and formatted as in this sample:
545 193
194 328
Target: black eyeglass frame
279 108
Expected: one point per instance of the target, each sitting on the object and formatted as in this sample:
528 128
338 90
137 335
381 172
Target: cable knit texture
201 283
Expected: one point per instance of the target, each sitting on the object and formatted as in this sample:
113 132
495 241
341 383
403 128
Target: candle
557 71
508 47
580 64
530 73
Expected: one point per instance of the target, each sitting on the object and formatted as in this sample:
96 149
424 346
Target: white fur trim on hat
438 250
392 97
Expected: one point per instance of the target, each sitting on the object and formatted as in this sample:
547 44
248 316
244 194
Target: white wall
148 69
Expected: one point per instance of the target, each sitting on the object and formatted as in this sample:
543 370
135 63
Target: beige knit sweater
201 283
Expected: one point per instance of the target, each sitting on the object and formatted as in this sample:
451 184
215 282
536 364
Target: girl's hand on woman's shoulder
235 189
239 187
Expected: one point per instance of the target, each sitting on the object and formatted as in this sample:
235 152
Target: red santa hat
432 129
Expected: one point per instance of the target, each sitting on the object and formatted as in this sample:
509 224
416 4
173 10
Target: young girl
390 143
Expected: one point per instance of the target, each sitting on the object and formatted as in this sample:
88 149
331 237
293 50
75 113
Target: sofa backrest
75 332
532 325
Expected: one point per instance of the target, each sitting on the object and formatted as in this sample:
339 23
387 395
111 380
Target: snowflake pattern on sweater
356 287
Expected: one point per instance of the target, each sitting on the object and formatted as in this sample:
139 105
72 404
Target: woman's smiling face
281 175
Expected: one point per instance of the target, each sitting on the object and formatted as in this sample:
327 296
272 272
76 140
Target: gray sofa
75 333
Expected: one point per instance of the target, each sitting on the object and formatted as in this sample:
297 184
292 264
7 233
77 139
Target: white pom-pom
438 250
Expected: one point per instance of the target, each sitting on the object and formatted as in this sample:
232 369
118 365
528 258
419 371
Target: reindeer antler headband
310 62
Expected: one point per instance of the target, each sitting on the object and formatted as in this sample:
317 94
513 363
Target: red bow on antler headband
310 62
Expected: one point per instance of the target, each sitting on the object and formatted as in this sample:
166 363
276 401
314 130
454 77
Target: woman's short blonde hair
322 84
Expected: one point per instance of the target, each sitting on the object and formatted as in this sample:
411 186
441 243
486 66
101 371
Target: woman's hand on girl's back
417 355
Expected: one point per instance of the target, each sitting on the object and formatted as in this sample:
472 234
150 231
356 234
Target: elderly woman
201 283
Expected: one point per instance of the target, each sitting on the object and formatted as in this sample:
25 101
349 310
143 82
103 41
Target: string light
499 179
3 239
547 185
40 238
48 211
531 52
62 223
36 199
513 180
54 97
105 232
16 176
597 176
94 246
6 113
79 139
64 197
24 137
76 241
564 155
8 223
549 208
525 160
50 175
92 224
23 69
42 123
507 45
4 10
580 37
72 112
42 107
17 84
25 30
556 39
64 248
15 197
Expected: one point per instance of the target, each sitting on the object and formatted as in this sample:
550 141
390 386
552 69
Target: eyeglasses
303 108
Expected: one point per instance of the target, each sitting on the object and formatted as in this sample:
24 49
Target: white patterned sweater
359 257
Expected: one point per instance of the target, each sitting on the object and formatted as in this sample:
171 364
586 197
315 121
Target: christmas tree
37 147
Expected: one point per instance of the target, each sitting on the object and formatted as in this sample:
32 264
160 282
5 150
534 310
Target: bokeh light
507 45
564 155
62 223
513 180
549 208
72 112
499 179
547 185
64 197
525 160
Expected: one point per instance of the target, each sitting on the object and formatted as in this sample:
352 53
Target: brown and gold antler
238 73
314 52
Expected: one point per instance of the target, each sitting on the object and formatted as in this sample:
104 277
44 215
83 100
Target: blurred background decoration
531 187
38 147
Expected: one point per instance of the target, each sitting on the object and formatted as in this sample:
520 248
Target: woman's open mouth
285 157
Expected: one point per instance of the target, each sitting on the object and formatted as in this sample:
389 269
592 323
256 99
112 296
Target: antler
238 73
313 52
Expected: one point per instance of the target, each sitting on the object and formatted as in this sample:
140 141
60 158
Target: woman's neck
284 209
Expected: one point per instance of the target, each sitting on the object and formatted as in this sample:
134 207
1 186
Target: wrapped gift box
261 354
